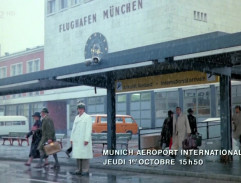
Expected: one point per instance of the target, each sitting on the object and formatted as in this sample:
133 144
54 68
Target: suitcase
52 148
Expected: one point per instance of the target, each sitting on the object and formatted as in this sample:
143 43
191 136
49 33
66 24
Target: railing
200 125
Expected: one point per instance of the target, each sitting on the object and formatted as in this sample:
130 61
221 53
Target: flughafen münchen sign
111 12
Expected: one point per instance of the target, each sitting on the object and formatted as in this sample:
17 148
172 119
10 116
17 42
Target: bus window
2 124
16 123
22 122
8 123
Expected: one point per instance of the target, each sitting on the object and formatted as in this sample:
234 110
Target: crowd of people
43 133
176 128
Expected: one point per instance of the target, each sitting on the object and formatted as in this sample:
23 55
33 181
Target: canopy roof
218 53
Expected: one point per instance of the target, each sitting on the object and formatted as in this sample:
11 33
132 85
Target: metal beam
225 105
111 113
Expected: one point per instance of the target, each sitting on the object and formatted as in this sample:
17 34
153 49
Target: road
16 172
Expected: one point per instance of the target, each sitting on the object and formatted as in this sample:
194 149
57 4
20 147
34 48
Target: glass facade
139 105
11 110
199 101
140 108
121 102
95 105
165 101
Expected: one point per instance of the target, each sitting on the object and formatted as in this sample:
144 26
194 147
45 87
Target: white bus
13 124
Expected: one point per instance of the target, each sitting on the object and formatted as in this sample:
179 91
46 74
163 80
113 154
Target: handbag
189 143
52 148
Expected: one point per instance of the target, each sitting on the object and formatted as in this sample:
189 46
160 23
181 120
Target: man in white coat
81 141
181 129
236 127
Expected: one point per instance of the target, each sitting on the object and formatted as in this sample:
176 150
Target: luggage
52 148
189 143
198 138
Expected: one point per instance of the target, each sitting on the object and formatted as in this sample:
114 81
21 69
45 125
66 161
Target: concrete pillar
225 112
111 112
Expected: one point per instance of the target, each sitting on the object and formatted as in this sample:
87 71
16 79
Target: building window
140 108
121 98
11 110
51 6
95 105
165 101
74 2
121 104
135 97
199 101
3 72
16 69
33 66
200 16
63 4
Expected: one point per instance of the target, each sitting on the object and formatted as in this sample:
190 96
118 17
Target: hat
36 114
190 110
45 110
170 112
80 106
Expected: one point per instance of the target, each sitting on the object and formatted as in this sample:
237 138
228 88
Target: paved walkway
209 169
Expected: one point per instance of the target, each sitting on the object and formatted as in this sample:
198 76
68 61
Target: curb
149 171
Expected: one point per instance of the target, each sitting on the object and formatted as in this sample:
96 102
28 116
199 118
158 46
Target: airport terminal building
77 30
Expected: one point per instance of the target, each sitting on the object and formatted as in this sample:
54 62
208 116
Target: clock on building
96 46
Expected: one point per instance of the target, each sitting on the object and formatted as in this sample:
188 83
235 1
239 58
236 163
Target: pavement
210 168
14 172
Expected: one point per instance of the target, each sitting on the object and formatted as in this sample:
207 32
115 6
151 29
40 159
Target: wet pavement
16 172
209 169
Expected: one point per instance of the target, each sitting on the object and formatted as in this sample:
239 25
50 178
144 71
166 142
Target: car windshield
129 120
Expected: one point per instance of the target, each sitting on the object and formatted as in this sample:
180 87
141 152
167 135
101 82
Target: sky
21 24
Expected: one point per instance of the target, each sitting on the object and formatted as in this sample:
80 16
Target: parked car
124 124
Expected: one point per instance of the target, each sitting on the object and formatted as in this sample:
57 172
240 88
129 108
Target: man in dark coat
192 121
48 136
36 134
167 130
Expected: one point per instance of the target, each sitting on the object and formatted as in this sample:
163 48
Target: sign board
165 81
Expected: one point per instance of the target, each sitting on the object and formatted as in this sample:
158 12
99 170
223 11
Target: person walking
236 125
48 136
36 137
81 141
192 121
167 130
181 129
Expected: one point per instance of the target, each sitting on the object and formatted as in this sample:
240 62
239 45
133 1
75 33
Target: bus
13 124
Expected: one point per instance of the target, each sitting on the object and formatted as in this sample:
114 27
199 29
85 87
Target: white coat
236 126
81 132
181 128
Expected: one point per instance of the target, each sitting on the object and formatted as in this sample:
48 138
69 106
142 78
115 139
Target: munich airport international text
192 152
